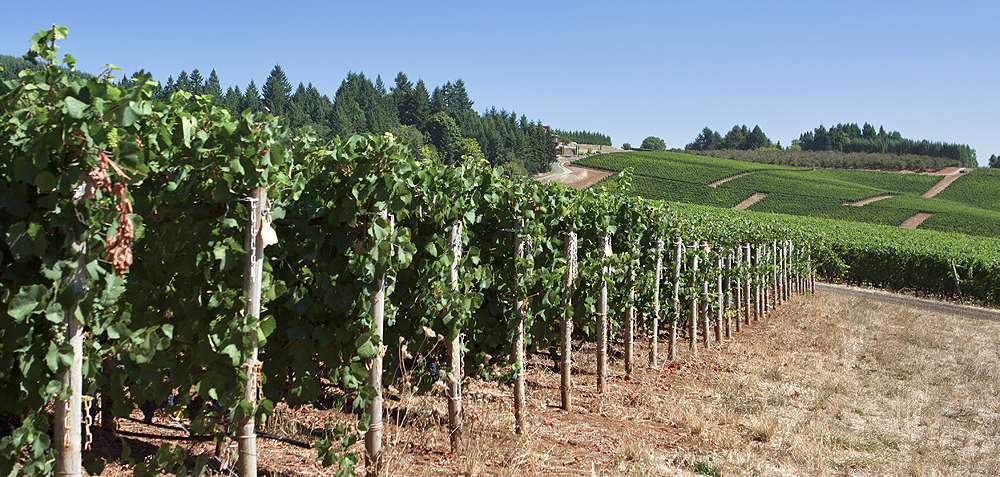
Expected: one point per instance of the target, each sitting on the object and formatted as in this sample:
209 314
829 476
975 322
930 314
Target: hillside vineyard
131 218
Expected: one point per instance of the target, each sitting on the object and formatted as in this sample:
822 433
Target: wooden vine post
803 269
794 262
630 322
246 433
775 275
675 309
758 285
520 310
455 348
747 284
739 297
779 272
376 309
695 314
812 274
655 325
720 295
728 287
67 420
706 302
604 243
767 293
566 385
785 284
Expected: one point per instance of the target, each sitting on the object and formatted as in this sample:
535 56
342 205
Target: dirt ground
583 177
830 384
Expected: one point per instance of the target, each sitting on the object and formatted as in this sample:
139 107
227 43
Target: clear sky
629 69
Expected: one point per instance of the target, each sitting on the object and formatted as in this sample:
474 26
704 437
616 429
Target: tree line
739 137
583 137
842 138
852 138
437 124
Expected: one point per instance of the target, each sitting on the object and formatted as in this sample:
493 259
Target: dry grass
827 385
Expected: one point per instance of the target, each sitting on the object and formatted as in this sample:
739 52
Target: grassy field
970 205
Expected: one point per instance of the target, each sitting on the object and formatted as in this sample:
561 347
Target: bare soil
941 185
580 177
753 199
865 202
723 181
915 221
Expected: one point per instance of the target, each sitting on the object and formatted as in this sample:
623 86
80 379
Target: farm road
577 177
971 312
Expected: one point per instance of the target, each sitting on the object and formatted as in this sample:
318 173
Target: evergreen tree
758 140
183 82
868 131
735 138
233 99
298 107
438 103
821 140
251 99
994 161
706 141
213 88
196 82
167 90
401 94
419 104
457 99
277 92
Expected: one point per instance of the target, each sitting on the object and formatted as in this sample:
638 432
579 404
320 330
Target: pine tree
735 138
213 88
196 82
438 102
420 105
401 94
821 140
757 139
167 90
277 92
251 99
868 131
183 82
234 100
457 99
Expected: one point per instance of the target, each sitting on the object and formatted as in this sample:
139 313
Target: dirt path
915 221
577 177
944 182
723 181
970 312
753 199
868 201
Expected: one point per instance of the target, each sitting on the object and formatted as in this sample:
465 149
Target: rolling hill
970 205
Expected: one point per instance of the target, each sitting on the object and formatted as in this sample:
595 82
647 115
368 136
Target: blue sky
630 69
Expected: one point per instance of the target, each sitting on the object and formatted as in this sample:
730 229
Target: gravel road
971 312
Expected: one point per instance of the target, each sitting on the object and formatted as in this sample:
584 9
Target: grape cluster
7 424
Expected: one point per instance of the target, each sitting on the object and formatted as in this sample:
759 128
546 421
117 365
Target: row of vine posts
739 300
